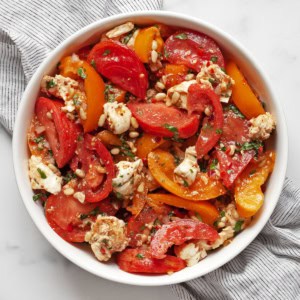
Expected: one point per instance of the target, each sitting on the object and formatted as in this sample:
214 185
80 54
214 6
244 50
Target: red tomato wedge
121 65
177 232
92 154
191 48
61 133
66 215
232 166
211 131
139 261
164 121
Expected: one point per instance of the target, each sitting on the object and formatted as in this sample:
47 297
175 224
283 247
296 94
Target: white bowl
78 254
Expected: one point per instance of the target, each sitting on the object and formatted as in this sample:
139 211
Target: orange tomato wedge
93 86
161 165
242 94
143 43
108 138
247 192
175 69
205 209
148 143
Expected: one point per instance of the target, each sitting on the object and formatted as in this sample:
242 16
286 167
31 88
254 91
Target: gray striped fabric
29 29
269 268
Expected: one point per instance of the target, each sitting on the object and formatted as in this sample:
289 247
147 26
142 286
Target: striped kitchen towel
30 29
269 268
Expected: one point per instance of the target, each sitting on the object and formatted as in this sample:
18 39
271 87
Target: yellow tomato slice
161 165
205 209
247 192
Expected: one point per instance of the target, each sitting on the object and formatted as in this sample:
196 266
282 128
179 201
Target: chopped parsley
235 110
108 94
219 131
171 214
207 126
80 138
213 164
75 100
42 173
198 216
214 59
203 165
166 53
119 195
252 172
181 36
143 227
185 183
156 222
106 52
39 139
127 37
81 73
222 213
211 80
254 145
69 176
96 211
140 256
50 84
171 128
229 171
125 149
93 63
50 152
37 197
238 226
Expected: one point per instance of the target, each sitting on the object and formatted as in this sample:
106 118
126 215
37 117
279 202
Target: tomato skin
121 65
192 50
232 166
152 117
97 186
198 98
61 132
177 232
139 261
63 215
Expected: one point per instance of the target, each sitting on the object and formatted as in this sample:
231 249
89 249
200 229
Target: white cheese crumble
117 116
107 236
212 76
177 94
185 173
120 30
51 181
127 178
261 126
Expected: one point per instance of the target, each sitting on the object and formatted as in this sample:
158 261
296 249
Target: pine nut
134 123
189 77
115 151
82 113
140 188
175 97
223 219
80 173
68 191
49 115
154 56
102 120
80 196
133 134
221 224
232 149
159 85
101 170
154 45
160 96
207 111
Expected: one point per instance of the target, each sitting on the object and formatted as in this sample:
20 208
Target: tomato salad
150 147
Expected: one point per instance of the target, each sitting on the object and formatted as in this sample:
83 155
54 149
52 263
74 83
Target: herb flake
42 173
181 36
81 72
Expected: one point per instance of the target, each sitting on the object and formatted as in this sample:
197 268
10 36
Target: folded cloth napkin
269 268
30 29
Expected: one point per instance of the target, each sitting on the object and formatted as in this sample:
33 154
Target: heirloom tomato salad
149 147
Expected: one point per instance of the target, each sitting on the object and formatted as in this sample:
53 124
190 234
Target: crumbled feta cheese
212 76
185 173
190 252
66 89
131 42
117 116
107 236
261 126
43 177
127 178
177 94
120 30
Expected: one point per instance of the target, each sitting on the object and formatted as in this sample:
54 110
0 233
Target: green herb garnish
238 226
140 256
39 139
81 73
213 164
219 131
93 63
69 176
198 216
235 110
42 173
185 183
214 59
50 84
254 145
106 52
181 36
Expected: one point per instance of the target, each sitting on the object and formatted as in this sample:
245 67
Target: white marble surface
31 269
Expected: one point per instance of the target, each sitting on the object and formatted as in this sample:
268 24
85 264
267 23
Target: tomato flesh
191 48
177 232
64 215
198 98
164 121
139 261
121 65
61 133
